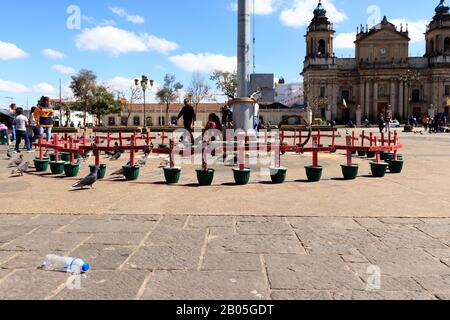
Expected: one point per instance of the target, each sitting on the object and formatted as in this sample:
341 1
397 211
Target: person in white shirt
21 123
256 117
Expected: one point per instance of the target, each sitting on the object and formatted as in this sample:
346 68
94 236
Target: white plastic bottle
65 264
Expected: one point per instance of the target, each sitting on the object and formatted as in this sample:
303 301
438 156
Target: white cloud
63 69
118 41
53 54
416 28
262 7
345 41
13 87
300 13
10 51
204 62
123 85
121 12
45 88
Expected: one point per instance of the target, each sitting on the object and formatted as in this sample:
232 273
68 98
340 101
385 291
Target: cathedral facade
382 79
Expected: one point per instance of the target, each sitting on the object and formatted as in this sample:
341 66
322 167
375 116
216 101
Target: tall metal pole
243 47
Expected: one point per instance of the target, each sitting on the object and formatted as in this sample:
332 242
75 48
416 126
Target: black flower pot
241 177
379 169
350 172
278 175
205 177
396 166
314 174
172 175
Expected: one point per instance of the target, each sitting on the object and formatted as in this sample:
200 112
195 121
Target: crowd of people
28 128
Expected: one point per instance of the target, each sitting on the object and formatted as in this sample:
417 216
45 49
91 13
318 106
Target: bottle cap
85 267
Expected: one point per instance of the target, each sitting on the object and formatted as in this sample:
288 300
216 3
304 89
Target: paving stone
439 221
45 242
354 256
14 219
341 241
255 244
382 295
125 239
4 273
299 295
370 223
443 296
51 220
435 284
167 236
165 258
404 262
9 233
103 257
174 221
275 228
442 254
401 221
206 285
310 272
436 230
27 260
221 231
260 219
232 262
30 284
406 239
6 255
102 226
107 285
210 221
321 223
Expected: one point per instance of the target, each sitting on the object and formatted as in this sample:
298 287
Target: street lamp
144 83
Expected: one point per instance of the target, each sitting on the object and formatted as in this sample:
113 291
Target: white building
289 94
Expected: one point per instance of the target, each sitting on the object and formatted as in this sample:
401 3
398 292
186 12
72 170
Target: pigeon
89 181
142 162
16 162
148 149
88 154
21 169
116 156
46 154
165 163
9 154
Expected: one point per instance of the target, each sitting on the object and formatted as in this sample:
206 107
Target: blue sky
121 40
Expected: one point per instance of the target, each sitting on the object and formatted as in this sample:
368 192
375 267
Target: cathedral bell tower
319 36
438 32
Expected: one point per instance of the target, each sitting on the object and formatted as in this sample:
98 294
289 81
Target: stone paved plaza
147 240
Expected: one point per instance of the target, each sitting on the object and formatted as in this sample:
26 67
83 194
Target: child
4 134
21 123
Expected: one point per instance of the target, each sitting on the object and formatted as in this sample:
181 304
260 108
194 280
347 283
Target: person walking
35 131
12 110
426 122
45 113
188 115
388 123
21 123
381 123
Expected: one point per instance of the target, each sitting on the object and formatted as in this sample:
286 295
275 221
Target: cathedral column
375 100
407 106
361 97
400 100
334 101
367 100
393 110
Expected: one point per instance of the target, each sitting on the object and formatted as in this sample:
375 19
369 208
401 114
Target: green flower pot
57 167
241 177
77 156
101 172
53 157
354 152
396 166
379 169
383 155
350 172
314 174
278 175
131 173
163 146
172 175
41 165
388 157
362 153
370 154
65 156
71 170
205 177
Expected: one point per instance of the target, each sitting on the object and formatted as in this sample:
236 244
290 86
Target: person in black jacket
188 114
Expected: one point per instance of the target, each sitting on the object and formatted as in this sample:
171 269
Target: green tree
169 92
226 82
83 87
104 103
